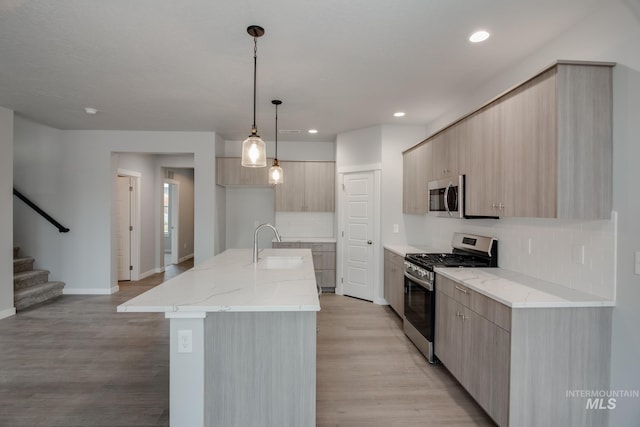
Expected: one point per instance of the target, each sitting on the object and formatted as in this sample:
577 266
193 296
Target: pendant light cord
254 130
276 157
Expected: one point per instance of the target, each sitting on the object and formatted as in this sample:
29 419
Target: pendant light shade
275 173
254 150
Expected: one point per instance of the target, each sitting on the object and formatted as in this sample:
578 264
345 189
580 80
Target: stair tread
29 273
23 259
22 293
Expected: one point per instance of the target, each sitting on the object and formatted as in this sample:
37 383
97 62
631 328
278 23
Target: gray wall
6 213
73 172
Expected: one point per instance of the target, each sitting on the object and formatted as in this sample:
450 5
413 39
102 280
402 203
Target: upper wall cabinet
545 148
307 187
416 173
230 172
542 150
445 152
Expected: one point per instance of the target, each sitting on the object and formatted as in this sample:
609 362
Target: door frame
174 209
135 220
376 269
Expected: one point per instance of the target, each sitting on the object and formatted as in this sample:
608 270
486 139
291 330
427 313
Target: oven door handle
428 286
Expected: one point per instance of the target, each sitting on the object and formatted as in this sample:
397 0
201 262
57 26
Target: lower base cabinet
394 281
521 364
324 261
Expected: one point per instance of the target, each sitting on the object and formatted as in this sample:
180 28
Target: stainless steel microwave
446 197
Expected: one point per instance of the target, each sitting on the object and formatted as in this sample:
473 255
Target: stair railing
61 228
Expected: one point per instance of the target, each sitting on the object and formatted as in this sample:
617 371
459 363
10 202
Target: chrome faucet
255 239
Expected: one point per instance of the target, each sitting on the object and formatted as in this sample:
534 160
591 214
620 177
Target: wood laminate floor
75 362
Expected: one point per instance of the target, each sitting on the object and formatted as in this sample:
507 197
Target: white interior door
358 229
174 204
123 236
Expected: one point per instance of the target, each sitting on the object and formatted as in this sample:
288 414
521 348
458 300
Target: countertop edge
561 303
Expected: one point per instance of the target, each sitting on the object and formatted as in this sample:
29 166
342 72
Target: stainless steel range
419 283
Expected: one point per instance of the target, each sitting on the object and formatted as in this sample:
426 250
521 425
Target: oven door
419 314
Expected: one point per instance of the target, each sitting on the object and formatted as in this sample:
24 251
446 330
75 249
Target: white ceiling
337 65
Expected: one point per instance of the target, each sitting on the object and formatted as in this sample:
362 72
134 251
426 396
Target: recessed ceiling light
90 110
398 114
479 36
313 130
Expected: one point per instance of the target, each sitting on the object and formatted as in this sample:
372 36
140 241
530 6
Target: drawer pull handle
458 314
464 291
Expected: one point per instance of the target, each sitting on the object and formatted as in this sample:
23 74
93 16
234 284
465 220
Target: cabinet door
389 294
416 173
445 152
231 172
228 172
529 147
290 194
482 163
319 181
486 358
398 282
448 334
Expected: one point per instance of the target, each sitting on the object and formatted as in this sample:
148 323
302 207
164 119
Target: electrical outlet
185 341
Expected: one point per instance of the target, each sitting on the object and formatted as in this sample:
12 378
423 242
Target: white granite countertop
308 239
231 282
517 290
403 250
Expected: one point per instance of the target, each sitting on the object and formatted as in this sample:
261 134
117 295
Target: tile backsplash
577 254
305 224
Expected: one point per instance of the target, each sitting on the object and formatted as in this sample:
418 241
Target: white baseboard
184 258
150 272
7 313
90 291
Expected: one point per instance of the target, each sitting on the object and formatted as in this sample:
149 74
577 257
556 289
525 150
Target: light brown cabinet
394 281
324 261
307 187
230 172
518 363
472 347
544 149
445 152
416 173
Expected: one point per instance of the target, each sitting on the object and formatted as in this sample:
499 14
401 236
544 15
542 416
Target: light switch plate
638 263
396 228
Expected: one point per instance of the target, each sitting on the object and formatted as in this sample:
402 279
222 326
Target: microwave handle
446 198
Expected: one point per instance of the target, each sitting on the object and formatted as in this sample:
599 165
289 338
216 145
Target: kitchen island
242 339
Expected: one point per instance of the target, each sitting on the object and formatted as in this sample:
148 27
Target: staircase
31 286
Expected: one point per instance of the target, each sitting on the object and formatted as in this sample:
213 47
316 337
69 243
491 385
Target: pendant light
275 173
254 151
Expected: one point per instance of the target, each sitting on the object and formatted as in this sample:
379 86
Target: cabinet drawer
326 278
455 290
323 247
491 310
324 260
486 307
286 245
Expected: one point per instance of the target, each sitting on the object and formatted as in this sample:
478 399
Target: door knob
369 242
